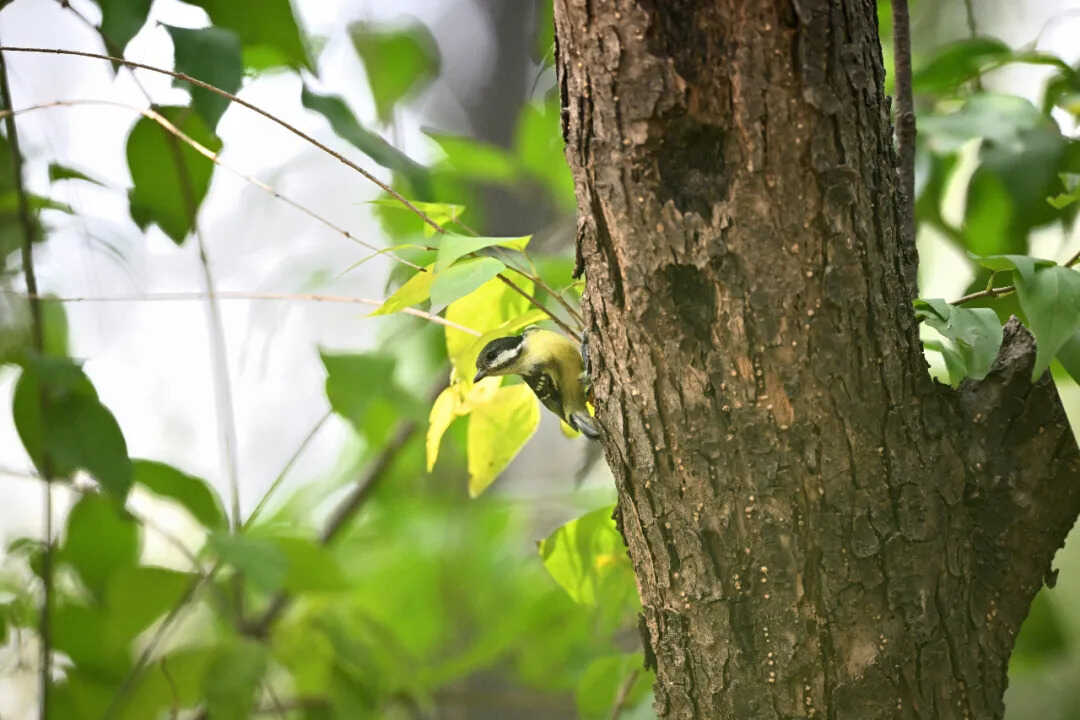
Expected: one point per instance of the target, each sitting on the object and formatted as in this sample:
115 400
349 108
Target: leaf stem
38 335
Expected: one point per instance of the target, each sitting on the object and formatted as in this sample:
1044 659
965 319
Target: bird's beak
480 375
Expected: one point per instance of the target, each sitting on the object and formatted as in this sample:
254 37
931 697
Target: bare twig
250 106
116 705
285 470
905 112
532 300
215 158
291 128
230 295
342 513
623 694
38 335
349 506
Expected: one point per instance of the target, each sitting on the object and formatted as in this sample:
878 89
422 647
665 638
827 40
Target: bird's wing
544 387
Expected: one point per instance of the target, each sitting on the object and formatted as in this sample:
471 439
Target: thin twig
231 295
270 116
624 693
905 113
215 158
973 32
348 507
285 470
38 335
250 106
342 513
554 318
116 705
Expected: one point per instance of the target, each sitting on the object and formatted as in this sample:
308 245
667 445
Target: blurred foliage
423 596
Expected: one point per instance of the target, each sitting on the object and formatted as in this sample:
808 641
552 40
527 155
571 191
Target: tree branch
38 336
1024 494
905 110
240 295
343 513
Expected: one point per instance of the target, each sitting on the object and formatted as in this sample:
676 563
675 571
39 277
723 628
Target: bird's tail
585 424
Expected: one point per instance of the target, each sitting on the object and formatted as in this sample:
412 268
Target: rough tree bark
818 530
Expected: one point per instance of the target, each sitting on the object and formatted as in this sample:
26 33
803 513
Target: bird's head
499 357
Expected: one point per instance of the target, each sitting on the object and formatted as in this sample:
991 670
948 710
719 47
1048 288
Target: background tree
349 553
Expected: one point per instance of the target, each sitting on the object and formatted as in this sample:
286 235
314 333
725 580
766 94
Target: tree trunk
817 529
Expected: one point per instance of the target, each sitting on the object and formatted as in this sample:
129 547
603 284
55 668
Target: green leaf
121 20
497 432
490 306
974 333
64 427
416 290
476 160
603 680
398 62
233 677
1025 265
1050 298
1043 635
1002 119
461 279
452 247
261 560
539 146
361 388
587 557
136 596
161 190
989 215
344 124
1071 181
311 567
195 494
101 539
212 55
958 62
55 326
443 214
63 172
1069 356
267 30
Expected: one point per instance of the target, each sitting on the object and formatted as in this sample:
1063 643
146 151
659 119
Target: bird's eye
490 357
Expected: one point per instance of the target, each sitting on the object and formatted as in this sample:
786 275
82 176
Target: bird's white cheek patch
505 358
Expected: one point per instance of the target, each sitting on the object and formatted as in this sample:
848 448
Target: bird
550 365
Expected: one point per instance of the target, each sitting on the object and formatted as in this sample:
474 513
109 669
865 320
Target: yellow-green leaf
443 412
416 290
497 431
453 402
484 309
